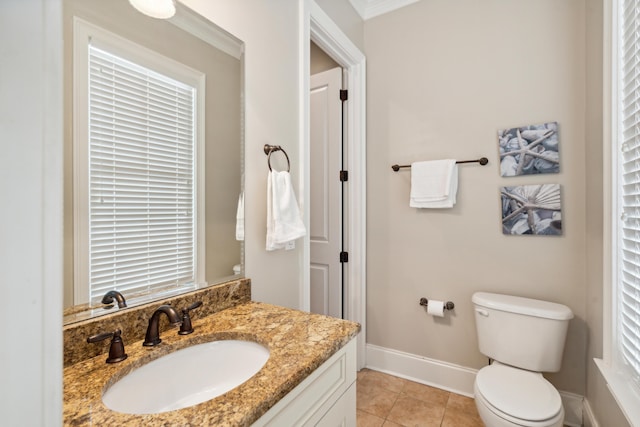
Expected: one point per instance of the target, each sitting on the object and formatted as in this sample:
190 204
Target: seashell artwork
532 209
529 150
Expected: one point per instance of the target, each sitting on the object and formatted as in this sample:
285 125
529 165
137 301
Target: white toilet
524 337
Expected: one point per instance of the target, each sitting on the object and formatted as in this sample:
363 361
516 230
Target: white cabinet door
316 396
343 413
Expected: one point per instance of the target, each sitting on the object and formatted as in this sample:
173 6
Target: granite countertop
298 342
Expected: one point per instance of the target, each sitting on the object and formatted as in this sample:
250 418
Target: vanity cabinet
327 397
308 380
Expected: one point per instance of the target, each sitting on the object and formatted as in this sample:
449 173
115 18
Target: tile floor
387 401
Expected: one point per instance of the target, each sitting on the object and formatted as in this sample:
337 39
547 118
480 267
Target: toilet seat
520 396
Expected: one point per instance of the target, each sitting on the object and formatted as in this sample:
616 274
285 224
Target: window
136 164
628 170
621 364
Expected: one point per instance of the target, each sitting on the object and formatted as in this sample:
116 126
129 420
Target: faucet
109 296
152 337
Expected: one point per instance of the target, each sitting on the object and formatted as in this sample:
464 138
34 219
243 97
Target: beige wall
443 77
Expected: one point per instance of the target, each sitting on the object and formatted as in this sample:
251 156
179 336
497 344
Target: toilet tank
521 332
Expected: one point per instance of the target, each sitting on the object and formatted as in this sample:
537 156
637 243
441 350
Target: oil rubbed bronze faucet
152 337
109 297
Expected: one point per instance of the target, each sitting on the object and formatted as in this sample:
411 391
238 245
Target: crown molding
368 9
193 23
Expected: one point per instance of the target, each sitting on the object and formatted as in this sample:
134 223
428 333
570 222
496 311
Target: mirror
189 39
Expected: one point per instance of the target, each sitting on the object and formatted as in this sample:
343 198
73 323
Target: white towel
240 218
284 223
434 184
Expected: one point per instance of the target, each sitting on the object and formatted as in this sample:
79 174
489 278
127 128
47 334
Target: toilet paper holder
447 305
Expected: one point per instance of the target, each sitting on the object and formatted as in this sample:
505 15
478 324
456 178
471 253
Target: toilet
524 337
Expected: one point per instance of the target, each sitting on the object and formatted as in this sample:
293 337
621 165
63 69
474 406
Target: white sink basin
186 377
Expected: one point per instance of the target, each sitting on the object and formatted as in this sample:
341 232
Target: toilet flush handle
482 312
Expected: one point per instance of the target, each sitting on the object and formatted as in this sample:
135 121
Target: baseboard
448 376
573 408
589 417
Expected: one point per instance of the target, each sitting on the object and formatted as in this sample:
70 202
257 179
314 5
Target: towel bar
269 149
482 160
447 305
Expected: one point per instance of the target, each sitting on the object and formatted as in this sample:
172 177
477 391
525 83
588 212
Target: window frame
83 34
612 366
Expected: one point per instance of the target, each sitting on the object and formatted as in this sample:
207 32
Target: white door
326 193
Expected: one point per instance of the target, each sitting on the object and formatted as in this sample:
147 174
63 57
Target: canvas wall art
529 150
532 209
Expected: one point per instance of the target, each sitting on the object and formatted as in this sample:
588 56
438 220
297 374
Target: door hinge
344 176
344 256
344 94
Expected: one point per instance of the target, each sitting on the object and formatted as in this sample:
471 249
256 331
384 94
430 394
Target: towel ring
269 149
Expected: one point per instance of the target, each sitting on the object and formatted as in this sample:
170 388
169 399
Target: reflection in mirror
214 251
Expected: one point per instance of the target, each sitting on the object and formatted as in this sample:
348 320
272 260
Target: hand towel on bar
434 184
284 223
240 218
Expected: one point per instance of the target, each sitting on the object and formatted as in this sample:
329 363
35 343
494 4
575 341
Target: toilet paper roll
435 308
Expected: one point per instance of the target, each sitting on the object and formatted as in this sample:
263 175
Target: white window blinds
141 178
629 183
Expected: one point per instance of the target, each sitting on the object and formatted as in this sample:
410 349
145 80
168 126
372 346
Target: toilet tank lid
520 305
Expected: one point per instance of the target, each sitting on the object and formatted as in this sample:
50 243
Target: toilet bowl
510 397
524 337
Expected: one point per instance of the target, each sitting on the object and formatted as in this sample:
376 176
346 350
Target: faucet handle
109 297
192 306
186 328
116 350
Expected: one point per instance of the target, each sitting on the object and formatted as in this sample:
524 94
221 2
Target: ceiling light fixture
160 9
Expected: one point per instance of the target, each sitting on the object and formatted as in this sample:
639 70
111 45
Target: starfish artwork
532 209
529 150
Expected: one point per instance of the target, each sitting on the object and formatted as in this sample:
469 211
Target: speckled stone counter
298 342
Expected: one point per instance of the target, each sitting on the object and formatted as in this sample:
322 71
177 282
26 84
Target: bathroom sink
186 377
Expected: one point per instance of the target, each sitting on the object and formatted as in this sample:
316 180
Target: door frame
319 27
